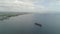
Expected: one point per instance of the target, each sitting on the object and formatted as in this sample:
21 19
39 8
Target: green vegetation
9 15
6 16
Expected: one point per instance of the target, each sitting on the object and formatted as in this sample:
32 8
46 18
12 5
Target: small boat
38 24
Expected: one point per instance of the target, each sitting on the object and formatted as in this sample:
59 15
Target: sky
30 5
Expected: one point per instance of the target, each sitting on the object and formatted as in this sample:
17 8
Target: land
6 15
9 14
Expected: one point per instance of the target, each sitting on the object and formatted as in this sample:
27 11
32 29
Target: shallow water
24 24
16 25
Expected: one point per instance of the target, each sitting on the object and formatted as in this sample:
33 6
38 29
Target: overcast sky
30 5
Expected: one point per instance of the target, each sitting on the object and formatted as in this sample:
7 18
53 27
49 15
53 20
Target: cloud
16 5
30 5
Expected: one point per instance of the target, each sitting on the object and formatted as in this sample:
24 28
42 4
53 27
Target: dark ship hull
38 24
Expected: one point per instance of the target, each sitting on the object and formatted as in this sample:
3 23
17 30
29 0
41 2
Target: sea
25 24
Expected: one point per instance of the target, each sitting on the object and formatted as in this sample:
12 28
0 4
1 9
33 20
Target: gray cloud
30 5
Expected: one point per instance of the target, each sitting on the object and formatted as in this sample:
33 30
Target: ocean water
24 24
50 23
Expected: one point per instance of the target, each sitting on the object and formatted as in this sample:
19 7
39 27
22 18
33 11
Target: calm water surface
24 24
